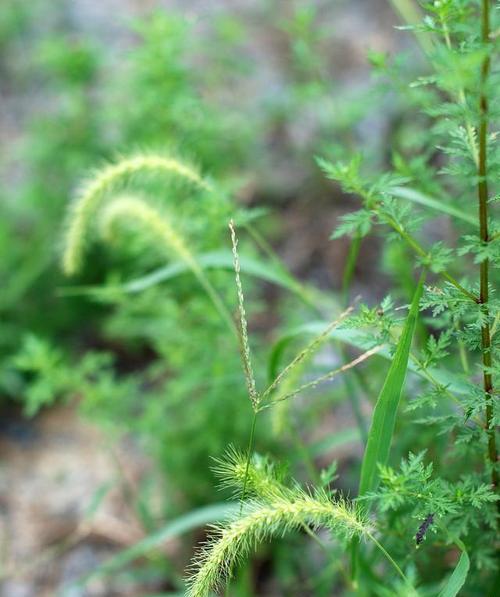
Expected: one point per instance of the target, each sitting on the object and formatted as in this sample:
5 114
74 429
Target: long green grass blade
384 414
179 526
211 260
385 411
437 205
459 575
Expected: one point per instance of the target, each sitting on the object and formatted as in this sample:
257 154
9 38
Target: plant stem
419 250
412 16
391 560
350 265
249 456
463 103
482 193
375 206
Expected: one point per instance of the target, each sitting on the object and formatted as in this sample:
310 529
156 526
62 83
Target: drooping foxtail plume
163 233
106 180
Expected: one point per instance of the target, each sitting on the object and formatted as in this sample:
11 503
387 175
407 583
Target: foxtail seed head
264 520
92 193
140 212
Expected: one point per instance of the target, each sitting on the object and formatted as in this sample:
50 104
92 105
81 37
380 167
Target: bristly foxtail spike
93 192
243 326
262 521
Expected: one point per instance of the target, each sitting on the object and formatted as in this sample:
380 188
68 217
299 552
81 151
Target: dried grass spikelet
243 326
264 520
106 180
310 349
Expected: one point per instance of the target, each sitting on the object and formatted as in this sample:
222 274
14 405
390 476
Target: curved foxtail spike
91 194
160 229
137 210
262 521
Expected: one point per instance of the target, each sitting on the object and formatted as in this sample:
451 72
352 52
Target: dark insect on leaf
423 528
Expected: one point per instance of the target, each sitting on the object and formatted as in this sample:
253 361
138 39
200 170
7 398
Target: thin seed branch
310 348
328 376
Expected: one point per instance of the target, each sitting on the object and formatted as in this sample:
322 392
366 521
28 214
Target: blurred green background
114 401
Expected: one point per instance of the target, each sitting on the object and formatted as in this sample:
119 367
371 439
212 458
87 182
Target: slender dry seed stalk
327 377
303 354
245 345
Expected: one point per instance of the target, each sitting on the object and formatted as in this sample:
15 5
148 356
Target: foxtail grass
107 180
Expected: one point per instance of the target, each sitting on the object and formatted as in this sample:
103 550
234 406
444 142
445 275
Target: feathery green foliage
457 505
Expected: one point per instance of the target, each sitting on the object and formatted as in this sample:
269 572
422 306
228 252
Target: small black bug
423 528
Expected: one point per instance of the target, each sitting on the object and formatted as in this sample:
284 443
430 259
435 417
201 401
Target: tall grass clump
423 517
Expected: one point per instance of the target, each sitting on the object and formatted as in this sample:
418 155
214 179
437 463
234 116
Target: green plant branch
419 250
463 103
411 241
440 386
482 193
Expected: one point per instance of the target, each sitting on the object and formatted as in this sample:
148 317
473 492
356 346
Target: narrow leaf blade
384 414
458 577
211 260
175 528
437 205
